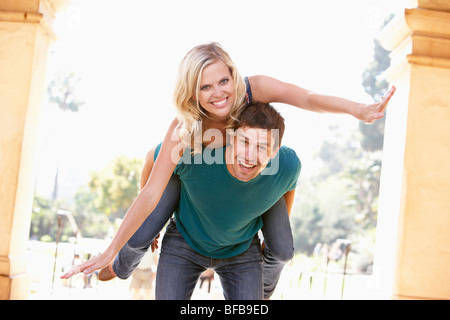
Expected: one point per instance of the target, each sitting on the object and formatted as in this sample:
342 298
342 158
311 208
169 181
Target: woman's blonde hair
190 112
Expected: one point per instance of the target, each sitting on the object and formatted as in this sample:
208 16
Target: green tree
363 182
62 91
90 220
116 186
321 214
325 207
340 147
341 200
43 219
365 175
375 85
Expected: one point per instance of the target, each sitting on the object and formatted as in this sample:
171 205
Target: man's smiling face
251 150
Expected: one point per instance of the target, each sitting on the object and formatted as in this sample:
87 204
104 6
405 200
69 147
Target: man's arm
145 174
289 199
148 166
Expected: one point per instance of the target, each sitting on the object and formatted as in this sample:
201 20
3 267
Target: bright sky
127 54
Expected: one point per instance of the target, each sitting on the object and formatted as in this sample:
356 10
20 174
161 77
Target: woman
209 95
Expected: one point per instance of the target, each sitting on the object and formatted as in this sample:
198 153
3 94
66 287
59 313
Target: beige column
25 34
412 258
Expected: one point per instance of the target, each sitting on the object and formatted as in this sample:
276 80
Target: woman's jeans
276 230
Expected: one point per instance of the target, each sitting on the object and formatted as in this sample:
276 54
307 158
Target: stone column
412 258
25 35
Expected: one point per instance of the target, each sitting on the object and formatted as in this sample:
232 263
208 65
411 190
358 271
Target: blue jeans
279 244
180 267
276 230
134 250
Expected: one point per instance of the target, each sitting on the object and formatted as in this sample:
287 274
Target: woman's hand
374 111
96 263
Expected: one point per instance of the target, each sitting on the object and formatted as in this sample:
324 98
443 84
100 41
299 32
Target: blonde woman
210 94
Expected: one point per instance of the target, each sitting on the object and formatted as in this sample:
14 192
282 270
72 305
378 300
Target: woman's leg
279 244
132 252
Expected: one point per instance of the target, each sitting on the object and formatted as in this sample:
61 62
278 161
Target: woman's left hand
374 111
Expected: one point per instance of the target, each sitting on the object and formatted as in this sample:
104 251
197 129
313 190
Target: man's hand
155 243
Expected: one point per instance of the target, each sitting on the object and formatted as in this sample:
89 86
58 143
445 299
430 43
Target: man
221 207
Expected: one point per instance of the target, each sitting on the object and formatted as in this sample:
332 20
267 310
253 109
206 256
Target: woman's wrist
358 111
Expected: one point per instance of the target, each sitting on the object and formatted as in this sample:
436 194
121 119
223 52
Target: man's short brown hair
262 116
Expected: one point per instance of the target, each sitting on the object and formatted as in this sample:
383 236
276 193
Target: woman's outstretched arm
266 89
144 204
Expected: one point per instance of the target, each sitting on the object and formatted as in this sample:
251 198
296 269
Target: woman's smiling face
216 91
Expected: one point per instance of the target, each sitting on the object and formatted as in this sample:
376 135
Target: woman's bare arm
144 204
266 89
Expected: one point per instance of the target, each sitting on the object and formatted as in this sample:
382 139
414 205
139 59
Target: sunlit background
121 62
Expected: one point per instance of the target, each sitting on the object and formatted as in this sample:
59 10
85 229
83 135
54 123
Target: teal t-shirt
219 215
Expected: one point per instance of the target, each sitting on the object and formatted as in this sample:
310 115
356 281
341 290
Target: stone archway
25 33
412 256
